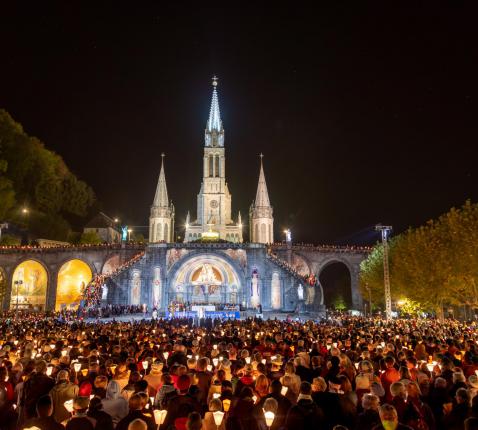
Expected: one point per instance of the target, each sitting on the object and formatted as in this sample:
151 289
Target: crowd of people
334 248
341 373
7 249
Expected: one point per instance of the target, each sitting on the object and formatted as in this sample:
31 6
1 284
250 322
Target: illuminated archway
29 284
73 277
111 264
205 278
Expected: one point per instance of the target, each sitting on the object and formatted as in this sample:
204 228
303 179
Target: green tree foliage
90 237
9 240
7 193
434 265
32 174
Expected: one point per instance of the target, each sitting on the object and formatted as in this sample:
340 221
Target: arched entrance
29 283
111 264
336 285
73 277
205 279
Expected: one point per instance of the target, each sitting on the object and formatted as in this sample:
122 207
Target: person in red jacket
389 376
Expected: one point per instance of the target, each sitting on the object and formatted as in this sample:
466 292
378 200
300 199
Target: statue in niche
300 292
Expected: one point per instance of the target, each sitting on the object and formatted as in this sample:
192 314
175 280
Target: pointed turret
214 134
261 220
161 220
262 196
161 197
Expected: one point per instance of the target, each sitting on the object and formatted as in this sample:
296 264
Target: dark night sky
364 115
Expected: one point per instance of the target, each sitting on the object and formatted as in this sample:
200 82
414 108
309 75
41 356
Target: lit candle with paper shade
151 399
269 417
69 405
92 396
63 352
77 367
218 417
216 395
254 399
52 346
248 360
160 416
165 355
263 361
284 390
226 404
84 372
209 368
49 370
145 364
357 365
214 346
215 361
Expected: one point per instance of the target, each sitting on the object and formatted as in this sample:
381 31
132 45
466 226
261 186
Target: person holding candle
62 391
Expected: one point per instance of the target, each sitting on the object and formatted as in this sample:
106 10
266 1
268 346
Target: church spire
161 196
262 196
261 219
214 121
214 134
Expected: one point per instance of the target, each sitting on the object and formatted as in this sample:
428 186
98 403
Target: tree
90 237
434 265
9 240
32 174
7 193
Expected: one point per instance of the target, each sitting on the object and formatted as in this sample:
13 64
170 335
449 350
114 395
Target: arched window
217 166
159 231
270 234
256 234
211 165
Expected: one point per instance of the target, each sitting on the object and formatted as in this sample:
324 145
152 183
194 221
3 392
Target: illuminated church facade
213 266
214 218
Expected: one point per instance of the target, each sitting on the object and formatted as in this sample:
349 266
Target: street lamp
129 234
288 235
385 231
17 283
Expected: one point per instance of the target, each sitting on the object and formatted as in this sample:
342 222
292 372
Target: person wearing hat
79 420
62 391
182 404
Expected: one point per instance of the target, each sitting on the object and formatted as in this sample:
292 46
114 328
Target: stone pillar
8 288
354 284
51 288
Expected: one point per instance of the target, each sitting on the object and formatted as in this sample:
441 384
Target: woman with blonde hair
346 367
290 379
208 422
262 386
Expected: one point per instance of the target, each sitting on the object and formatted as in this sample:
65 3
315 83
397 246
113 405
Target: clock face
214 204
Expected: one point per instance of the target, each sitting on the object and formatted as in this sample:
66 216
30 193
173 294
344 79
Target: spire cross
214 81
261 155
163 155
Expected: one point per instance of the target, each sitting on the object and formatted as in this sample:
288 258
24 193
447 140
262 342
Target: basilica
214 218
212 272
213 269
